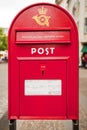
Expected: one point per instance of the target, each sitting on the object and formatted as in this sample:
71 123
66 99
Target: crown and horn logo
41 18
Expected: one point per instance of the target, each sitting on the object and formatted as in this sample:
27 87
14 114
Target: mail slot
39 36
43 64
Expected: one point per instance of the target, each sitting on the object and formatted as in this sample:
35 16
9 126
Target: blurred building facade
78 9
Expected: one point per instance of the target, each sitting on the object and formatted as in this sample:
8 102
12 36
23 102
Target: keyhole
42 72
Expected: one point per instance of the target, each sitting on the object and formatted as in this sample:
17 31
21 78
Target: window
85 2
85 26
78 25
74 10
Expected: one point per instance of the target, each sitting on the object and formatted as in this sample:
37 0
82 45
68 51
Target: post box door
43 88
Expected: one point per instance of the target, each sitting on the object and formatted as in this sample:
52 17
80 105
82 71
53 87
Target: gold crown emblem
42 10
41 18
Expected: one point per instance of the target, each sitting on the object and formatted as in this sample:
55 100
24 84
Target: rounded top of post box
43 16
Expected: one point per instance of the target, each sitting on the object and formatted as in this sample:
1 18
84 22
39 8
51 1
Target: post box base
12 125
75 124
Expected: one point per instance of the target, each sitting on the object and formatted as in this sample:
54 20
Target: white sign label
43 87
42 51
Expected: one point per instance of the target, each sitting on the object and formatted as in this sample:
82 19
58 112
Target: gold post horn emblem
41 18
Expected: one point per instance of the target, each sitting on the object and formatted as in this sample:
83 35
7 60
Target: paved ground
42 125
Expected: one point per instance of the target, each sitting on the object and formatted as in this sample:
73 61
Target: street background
78 10
42 125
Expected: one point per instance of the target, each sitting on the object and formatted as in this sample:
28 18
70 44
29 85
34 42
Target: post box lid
42 19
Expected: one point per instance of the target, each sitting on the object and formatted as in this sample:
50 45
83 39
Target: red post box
43 64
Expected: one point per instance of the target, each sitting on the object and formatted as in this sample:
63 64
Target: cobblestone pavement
42 125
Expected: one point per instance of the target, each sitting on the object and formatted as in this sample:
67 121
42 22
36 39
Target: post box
43 64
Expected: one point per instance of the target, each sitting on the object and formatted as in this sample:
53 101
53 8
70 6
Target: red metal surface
29 56
43 105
